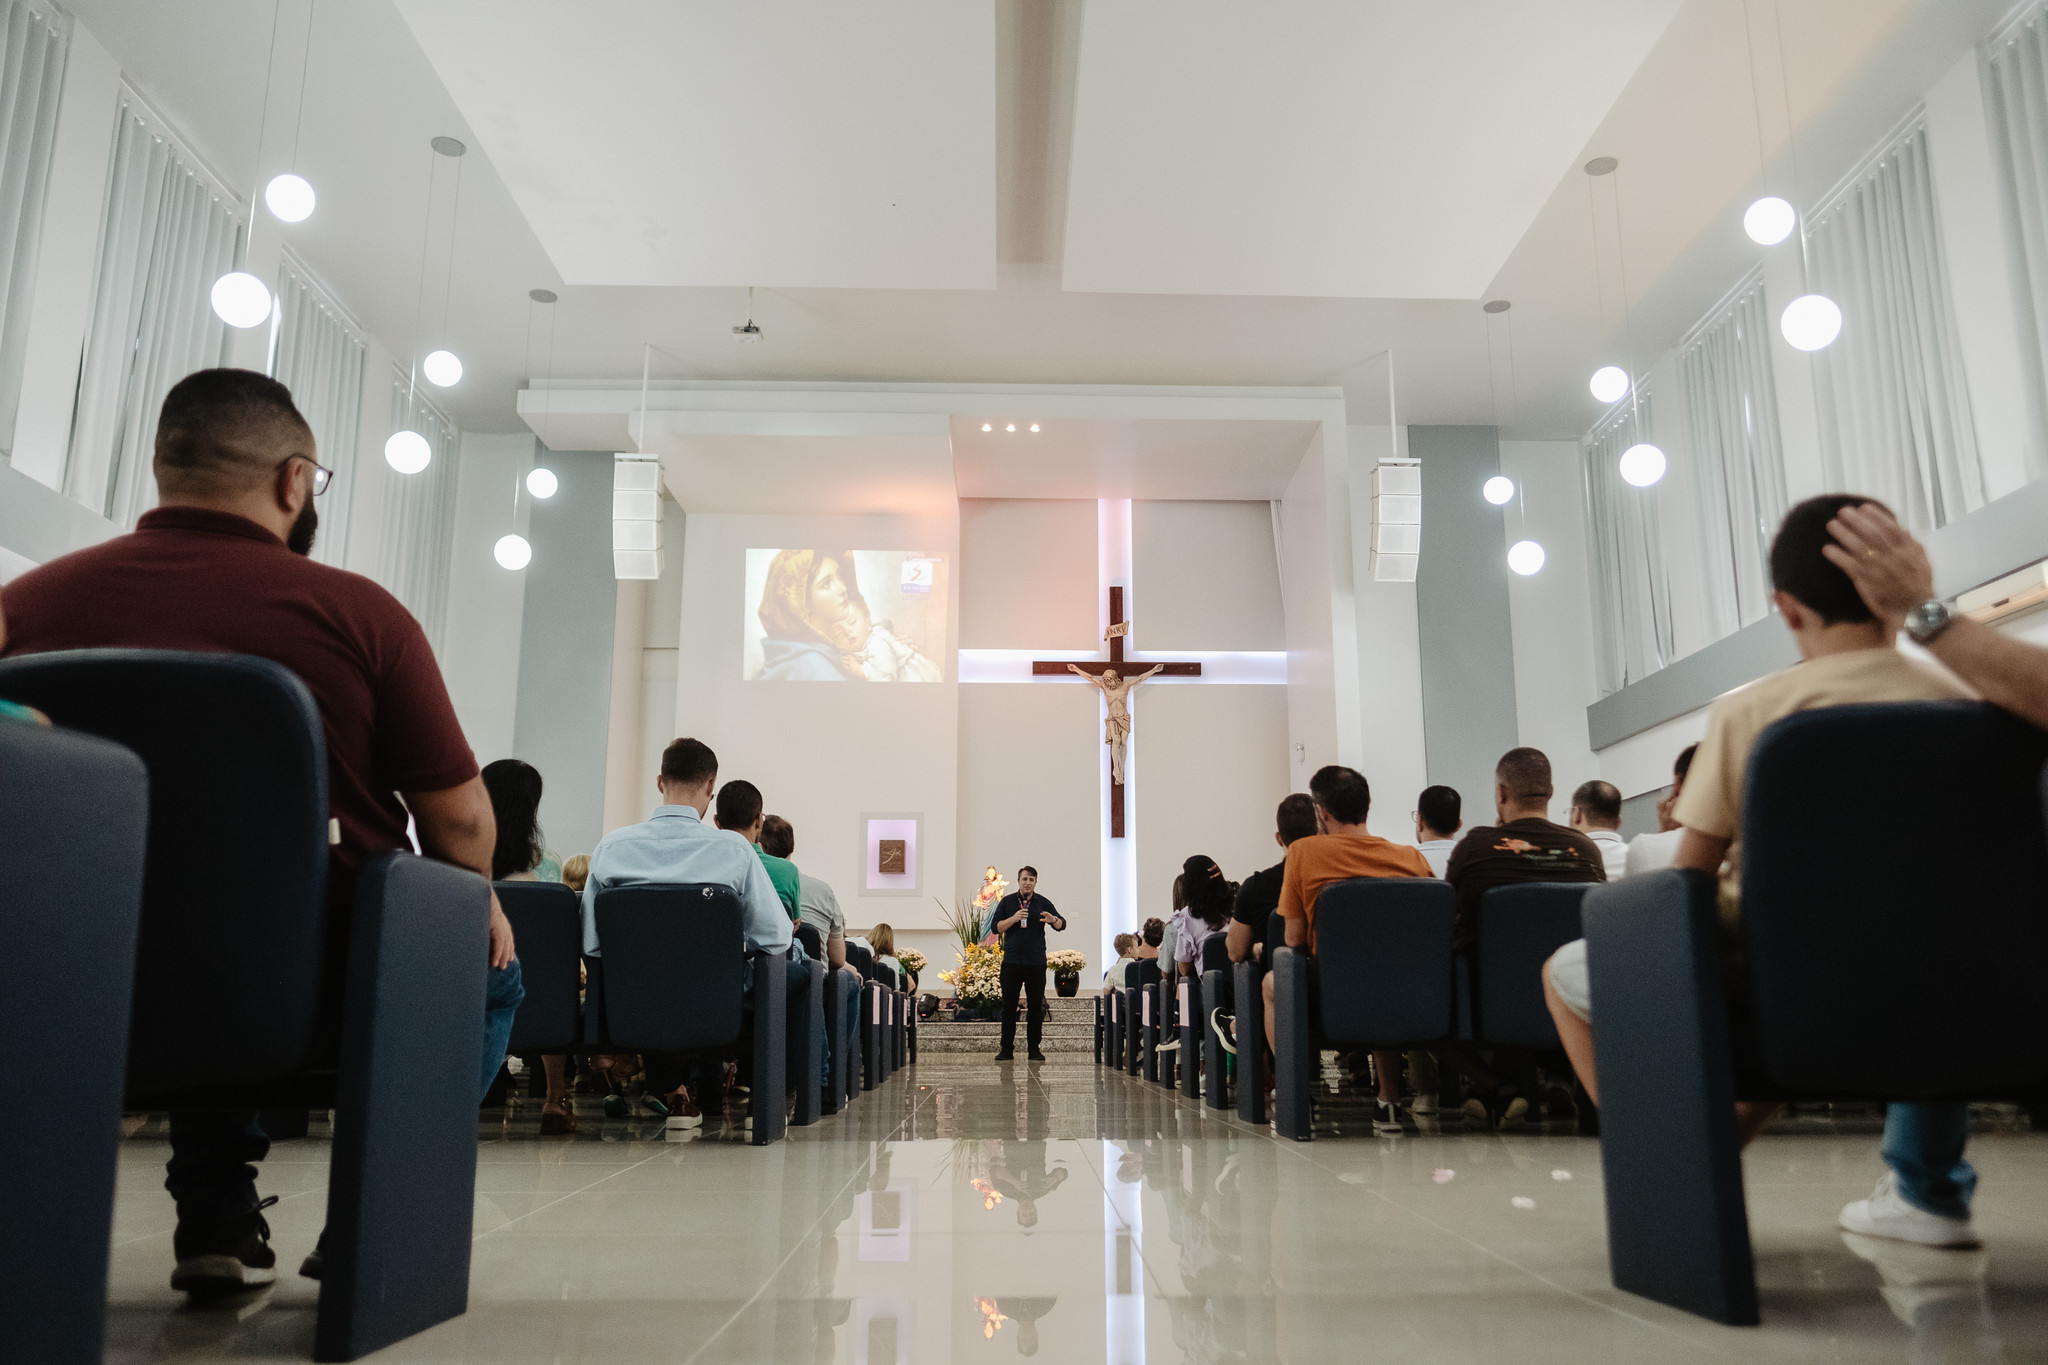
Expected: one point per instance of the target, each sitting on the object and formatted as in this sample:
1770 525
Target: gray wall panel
565 648
1463 623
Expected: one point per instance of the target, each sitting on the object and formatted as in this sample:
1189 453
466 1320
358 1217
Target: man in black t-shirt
1524 847
1259 896
1021 918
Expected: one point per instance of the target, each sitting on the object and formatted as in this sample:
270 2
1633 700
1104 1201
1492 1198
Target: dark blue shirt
1024 942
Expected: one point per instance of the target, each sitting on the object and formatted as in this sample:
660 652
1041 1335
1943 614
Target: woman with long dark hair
521 856
1210 896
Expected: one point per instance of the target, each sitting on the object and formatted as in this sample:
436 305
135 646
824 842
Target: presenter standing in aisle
1021 918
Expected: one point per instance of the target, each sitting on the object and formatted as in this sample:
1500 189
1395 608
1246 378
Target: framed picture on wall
891 857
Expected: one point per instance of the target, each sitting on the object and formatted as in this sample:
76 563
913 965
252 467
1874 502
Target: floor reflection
963 1213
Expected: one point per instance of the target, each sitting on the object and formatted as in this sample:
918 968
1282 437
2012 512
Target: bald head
223 433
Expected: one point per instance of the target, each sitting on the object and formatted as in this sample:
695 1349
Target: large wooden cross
1097 667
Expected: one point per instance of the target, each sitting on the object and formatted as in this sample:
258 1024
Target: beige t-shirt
1711 801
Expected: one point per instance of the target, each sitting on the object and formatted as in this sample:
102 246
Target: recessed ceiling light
1011 427
1034 426
987 427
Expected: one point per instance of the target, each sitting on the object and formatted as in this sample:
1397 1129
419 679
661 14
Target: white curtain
164 239
1894 405
1632 622
419 514
2016 111
320 360
1731 410
32 47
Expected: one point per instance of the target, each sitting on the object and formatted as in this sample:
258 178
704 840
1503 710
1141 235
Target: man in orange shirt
1342 848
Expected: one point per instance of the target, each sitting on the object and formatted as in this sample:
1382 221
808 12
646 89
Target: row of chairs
1878 968
168 941
1389 978
675 977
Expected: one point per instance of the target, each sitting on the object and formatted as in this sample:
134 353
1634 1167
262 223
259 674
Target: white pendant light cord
419 304
454 222
1791 137
1628 322
305 66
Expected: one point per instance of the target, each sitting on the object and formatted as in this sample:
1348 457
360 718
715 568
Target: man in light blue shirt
675 845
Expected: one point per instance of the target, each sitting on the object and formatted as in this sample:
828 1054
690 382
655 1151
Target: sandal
557 1118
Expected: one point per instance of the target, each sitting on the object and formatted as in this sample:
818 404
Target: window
1632 620
32 50
419 514
1732 428
2016 114
1894 405
321 361
165 236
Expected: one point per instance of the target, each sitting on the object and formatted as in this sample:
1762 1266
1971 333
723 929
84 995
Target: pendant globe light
407 451
1812 321
289 195
240 299
442 367
1770 220
1643 463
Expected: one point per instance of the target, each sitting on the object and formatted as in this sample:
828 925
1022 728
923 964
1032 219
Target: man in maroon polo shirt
220 565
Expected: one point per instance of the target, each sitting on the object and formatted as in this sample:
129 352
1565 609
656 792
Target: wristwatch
1928 620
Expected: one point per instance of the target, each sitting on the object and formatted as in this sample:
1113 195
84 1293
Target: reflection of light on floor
990 1196
991 1316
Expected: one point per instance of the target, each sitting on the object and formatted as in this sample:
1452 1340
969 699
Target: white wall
1307 584
1027 574
1214 770
1205 577
821 753
480 647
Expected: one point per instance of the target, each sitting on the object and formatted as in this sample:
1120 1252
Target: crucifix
1108 676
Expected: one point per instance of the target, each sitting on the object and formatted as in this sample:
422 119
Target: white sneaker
1423 1104
1885 1214
1173 1046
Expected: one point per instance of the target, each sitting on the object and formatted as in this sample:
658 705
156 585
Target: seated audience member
1847 656
515 789
576 871
1147 947
674 845
818 906
1650 852
739 810
1596 813
1169 935
1342 849
1439 815
1210 898
220 565
1525 846
883 940
1259 896
14 710
1113 975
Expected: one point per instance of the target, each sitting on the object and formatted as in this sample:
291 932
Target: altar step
1069 1027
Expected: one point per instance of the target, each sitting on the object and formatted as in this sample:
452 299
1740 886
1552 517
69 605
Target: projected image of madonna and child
844 616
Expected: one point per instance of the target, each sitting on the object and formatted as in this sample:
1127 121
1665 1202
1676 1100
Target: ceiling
1203 208
1163 458
898 474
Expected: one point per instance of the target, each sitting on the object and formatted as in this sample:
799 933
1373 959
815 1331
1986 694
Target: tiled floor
967 1213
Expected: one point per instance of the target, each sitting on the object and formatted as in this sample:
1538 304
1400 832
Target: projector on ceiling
747 335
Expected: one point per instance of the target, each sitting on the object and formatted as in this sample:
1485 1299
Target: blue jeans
1923 1144
504 989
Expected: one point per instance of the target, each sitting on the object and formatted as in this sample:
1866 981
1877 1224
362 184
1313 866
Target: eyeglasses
322 475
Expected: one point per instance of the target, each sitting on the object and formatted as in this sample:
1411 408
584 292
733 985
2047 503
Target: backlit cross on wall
1116 699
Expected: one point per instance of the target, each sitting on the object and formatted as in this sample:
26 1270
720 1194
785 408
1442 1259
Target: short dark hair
1803 573
1441 808
778 837
1296 818
1343 792
688 763
225 430
1155 930
1525 773
1684 764
1599 800
739 804
1027 868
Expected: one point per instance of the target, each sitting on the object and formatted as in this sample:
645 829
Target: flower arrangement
978 980
1065 960
912 960
963 921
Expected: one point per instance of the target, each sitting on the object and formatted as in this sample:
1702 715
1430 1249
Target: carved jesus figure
1116 727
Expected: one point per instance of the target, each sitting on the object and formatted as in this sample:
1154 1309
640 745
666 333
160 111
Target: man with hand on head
1020 918
220 566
